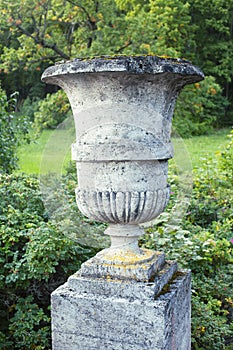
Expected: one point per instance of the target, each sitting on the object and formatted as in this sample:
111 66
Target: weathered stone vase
123 109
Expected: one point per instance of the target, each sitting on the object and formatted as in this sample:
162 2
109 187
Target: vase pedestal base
124 264
99 313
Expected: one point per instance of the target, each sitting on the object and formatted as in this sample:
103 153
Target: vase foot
124 264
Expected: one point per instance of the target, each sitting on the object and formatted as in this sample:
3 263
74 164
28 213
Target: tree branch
42 42
91 23
81 7
124 47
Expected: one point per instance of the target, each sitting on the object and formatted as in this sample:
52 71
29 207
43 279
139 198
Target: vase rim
148 64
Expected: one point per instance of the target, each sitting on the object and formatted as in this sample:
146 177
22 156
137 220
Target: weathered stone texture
121 315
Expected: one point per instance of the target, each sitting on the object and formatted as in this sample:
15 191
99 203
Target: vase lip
148 64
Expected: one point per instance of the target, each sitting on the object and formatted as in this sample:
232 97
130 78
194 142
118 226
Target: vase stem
124 237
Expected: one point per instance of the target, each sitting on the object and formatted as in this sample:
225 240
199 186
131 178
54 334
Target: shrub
51 111
226 161
13 130
45 238
35 257
30 325
29 107
61 207
199 108
202 241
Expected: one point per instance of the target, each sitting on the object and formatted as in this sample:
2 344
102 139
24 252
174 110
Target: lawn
48 153
189 153
51 151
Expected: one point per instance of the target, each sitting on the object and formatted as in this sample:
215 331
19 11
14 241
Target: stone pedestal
106 314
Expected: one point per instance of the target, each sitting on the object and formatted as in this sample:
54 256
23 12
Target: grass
190 153
51 151
201 147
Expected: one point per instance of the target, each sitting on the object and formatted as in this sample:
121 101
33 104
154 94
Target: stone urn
123 109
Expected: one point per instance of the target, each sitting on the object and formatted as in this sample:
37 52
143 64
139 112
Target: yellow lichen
129 256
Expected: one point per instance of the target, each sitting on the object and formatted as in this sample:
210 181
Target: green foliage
202 241
45 250
199 108
29 326
214 45
8 139
37 34
53 29
45 238
61 207
153 27
209 327
35 257
51 111
226 161
29 107
212 201
13 130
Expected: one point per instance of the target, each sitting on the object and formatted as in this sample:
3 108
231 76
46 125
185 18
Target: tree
213 23
204 108
51 30
38 33
158 27
47 30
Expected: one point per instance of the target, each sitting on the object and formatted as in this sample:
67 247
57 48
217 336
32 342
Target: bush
29 326
43 239
35 258
13 130
226 161
199 108
29 107
51 111
61 207
202 240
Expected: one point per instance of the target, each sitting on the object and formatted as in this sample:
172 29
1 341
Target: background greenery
35 34
43 236
51 151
